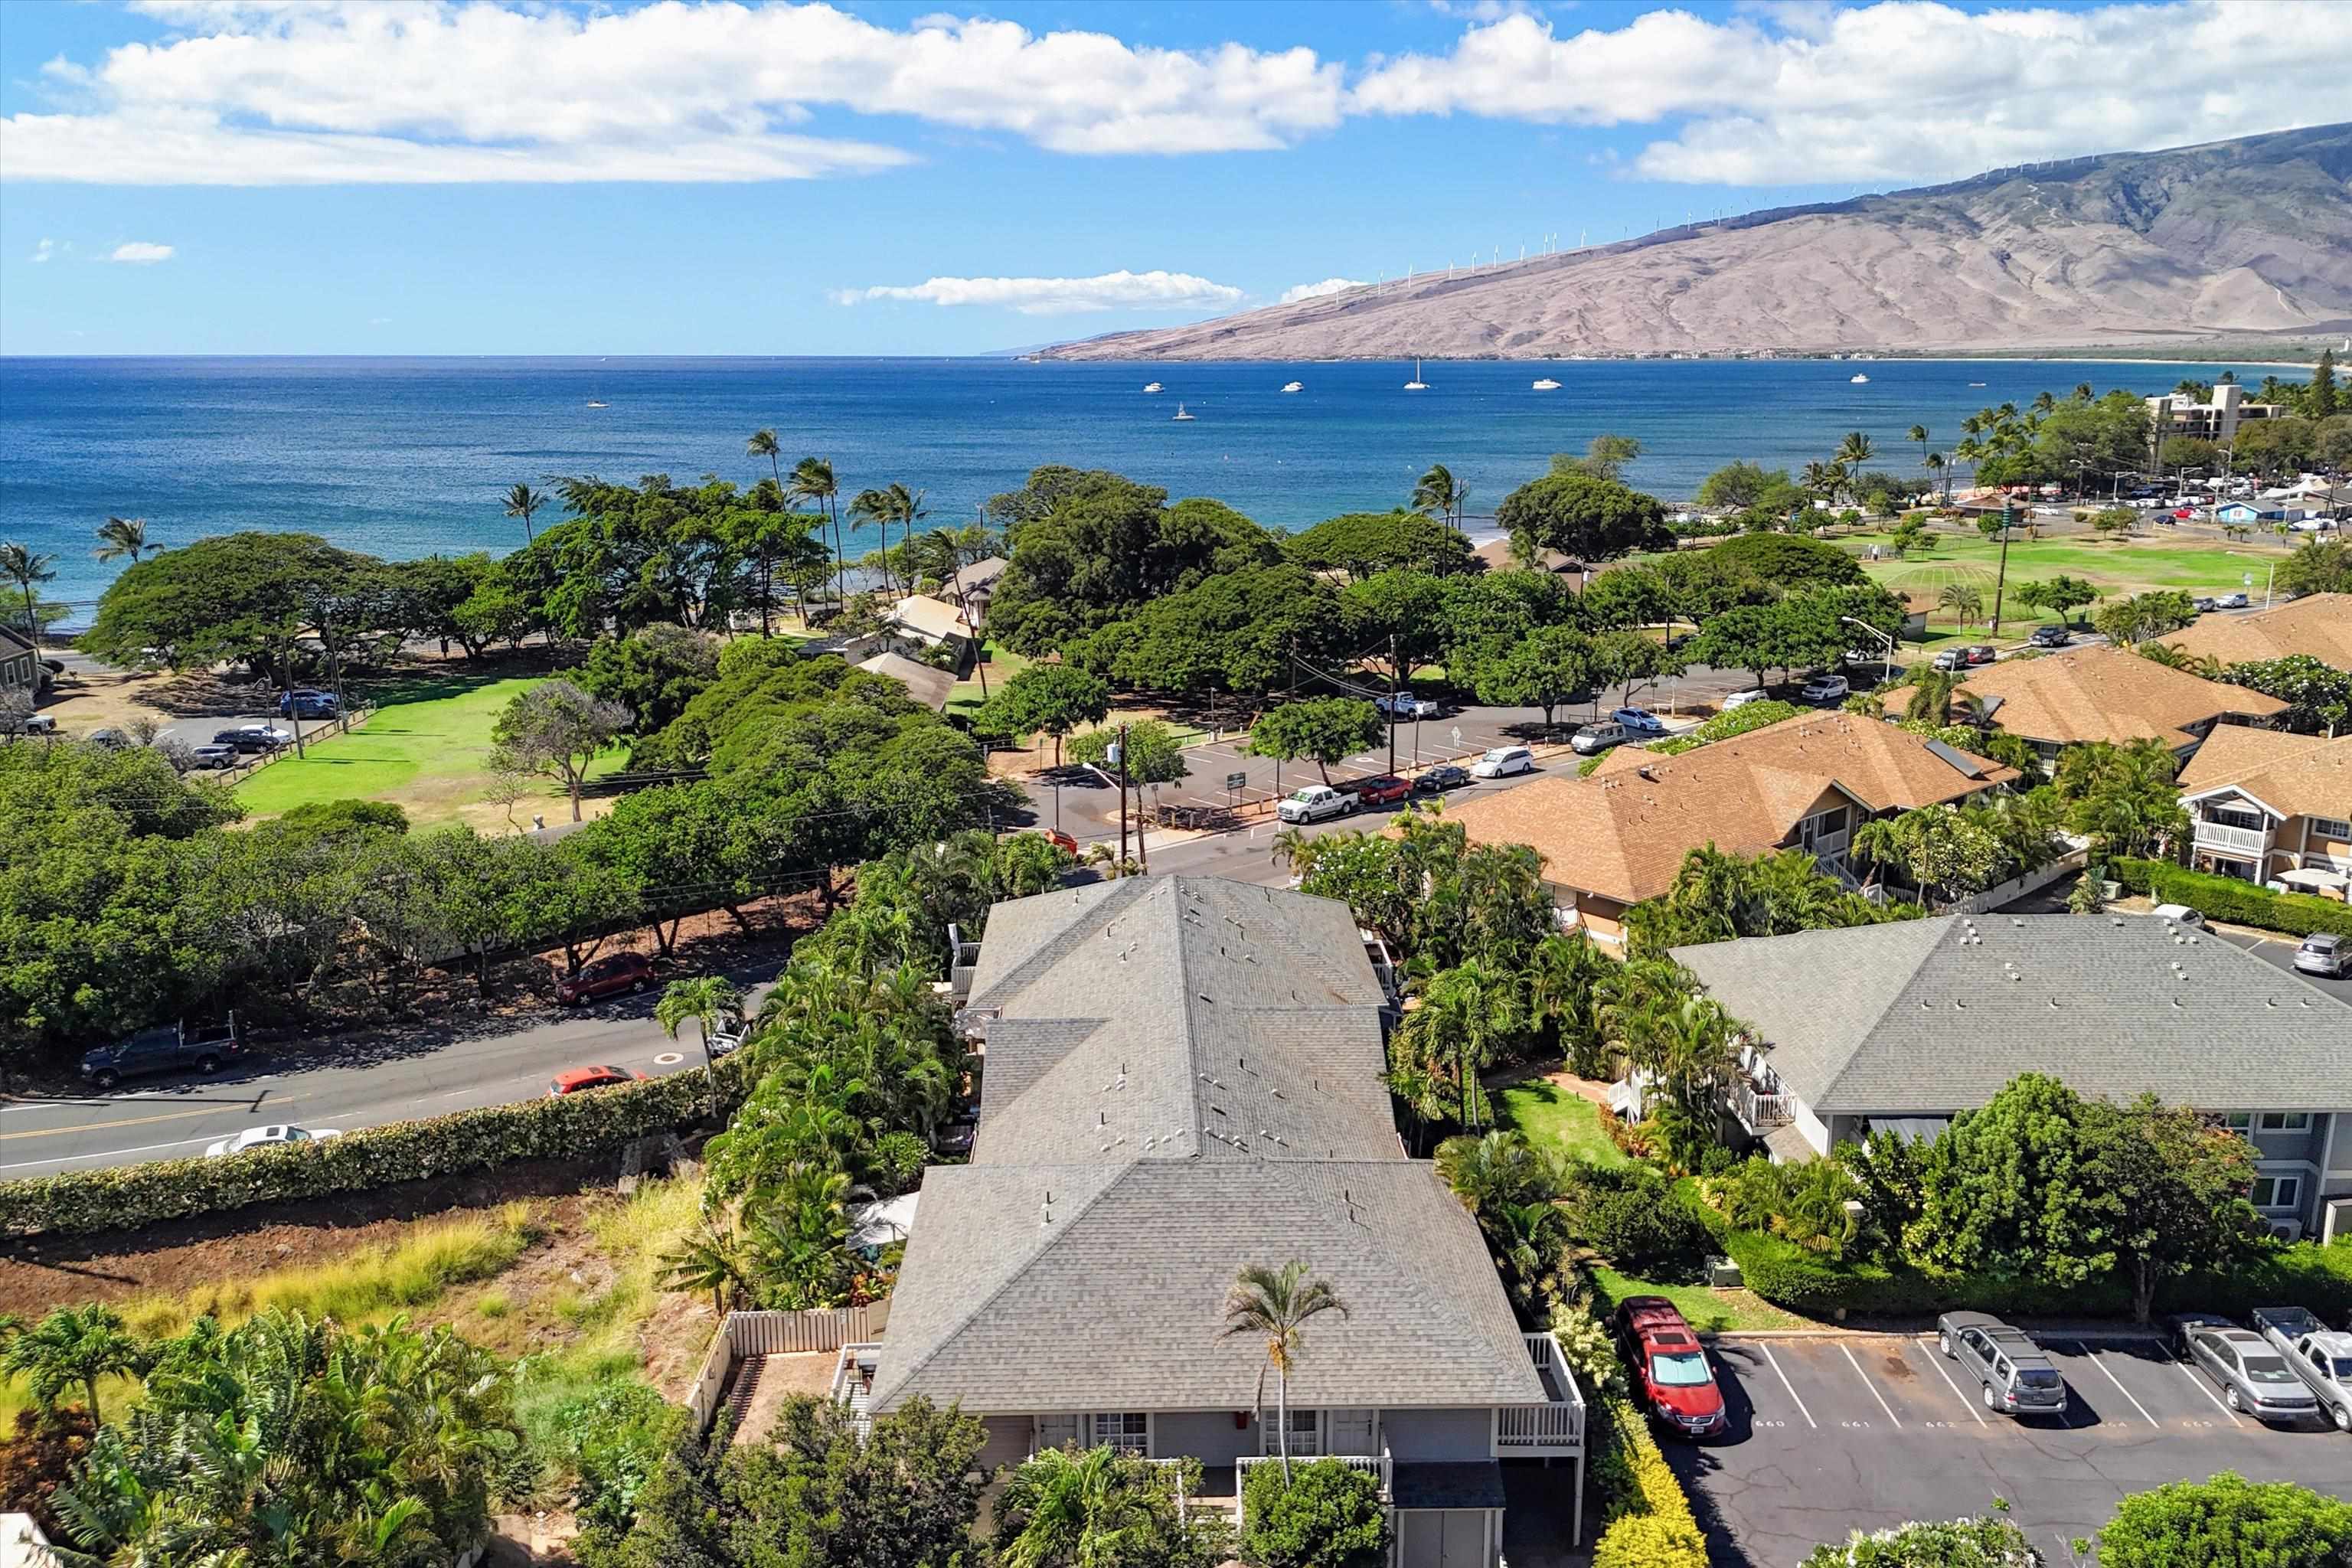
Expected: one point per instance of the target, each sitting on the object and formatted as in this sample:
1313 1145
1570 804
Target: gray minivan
1596 738
2017 1378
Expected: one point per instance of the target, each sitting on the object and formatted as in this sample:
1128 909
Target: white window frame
1109 1428
1305 1435
2329 827
2238 1121
2283 1122
2293 1184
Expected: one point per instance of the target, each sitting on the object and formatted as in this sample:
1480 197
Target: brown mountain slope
2234 237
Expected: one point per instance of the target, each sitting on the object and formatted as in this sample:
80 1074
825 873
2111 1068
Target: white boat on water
1547 384
1151 386
1181 413
593 404
1976 384
1857 380
1416 384
1293 387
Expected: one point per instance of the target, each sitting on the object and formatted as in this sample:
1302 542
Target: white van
1503 762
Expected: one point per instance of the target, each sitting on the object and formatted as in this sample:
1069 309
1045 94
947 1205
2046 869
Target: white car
2231 602
1826 689
1503 762
2180 915
1742 699
1316 802
266 1137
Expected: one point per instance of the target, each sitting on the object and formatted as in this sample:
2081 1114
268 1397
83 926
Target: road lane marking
1789 1387
106 1153
1870 1385
2127 1393
1936 1359
2191 1374
129 1121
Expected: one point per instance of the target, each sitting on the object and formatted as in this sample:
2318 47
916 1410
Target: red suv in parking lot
605 977
1670 1367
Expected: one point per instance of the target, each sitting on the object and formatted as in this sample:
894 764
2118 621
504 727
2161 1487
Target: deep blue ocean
408 457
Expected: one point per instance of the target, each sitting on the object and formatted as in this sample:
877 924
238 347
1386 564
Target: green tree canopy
2123 798
240 598
1586 518
654 672
1959 1543
1543 670
1785 561
2228 1522
1048 698
1321 730
2321 694
1743 486
1327 1516
1362 543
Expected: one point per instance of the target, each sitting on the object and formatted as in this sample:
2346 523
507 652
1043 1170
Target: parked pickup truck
1316 802
2322 1358
1405 705
168 1048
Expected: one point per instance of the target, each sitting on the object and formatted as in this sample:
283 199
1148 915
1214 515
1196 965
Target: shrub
1328 1516
2228 1523
898 1162
1955 1544
1638 1221
572 1127
1648 1516
2227 899
610 1439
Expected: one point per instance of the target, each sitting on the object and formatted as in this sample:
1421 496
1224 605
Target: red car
575 1080
1671 1373
605 977
1386 789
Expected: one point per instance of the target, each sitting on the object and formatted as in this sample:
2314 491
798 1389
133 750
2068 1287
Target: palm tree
763 444
522 501
892 503
813 479
1088 1510
1853 452
2083 393
1937 698
1437 493
1965 600
1878 843
1276 1304
1936 465
24 566
705 1260
120 536
2044 404
709 1000
1919 433
72 1346
1495 1170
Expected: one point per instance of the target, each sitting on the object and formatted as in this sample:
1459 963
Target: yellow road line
127 1121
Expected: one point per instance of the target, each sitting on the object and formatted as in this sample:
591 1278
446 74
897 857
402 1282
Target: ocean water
408 457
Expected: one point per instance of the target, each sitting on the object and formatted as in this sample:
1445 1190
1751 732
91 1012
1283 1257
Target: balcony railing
1552 1429
1756 1109
2222 835
852 1381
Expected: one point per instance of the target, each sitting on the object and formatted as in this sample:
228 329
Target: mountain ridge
2250 237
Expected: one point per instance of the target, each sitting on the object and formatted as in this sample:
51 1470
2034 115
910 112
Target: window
1130 1429
2330 827
2236 817
2238 1121
2277 1192
2285 1121
1305 1432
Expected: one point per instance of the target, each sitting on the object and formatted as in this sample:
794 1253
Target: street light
1885 665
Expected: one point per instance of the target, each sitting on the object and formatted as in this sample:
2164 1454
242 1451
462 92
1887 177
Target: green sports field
2114 568
426 748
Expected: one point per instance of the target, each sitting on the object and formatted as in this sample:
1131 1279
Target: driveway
1835 1434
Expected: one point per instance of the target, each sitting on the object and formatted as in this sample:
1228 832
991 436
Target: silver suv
2324 952
2017 1378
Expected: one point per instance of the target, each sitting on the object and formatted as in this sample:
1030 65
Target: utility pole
1122 798
2001 580
1399 687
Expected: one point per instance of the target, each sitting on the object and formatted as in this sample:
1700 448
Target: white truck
2322 1358
1316 802
1405 705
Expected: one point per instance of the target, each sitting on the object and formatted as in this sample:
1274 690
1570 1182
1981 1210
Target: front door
1351 1431
1056 1432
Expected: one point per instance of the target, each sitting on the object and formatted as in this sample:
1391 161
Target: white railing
2222 835
853 1382
1555 1428
1758 1110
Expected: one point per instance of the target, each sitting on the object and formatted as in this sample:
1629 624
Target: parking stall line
2104 1372
2191 1374
1933 1351
1871 1386
1789 1387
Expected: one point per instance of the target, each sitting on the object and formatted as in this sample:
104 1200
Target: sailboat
1857 380
592 402
1181 413
1547 384
1151 386
1293 387
1416 384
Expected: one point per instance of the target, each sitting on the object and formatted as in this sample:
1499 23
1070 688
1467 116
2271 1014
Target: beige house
2319 625
918 622
1618 837
2108 694
2267 807
929 686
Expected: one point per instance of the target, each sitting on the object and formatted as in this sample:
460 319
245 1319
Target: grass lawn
1706 1310
2126 566
426 749
1002 666
1550 1114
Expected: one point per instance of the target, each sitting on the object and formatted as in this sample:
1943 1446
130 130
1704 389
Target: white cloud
1154 290
1904 90
266 93
43 251
1298 292
142 253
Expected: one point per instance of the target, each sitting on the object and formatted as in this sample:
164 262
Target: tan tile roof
930 617
2302 776
2107 694
1623 833
2320 626
930 687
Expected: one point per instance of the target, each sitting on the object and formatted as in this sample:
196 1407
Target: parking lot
1832 1433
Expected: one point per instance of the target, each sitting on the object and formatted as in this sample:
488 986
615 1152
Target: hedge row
1647 1516
568 1127
2303 1274
2228 898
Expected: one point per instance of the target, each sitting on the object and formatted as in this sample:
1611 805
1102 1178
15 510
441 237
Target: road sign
1457 737
1234 783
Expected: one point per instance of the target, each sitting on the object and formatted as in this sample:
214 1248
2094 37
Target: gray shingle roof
1116 1301
1935 1015
1423 1483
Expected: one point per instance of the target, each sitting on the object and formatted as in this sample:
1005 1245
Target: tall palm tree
709 1000
1855 450
1965 600
2083 393
2044 403
71 1347
705 1260
24 566
1438 494
763 444
1276 1305
813 479
522 501
1919 433
1086 1510
1938 469
121 536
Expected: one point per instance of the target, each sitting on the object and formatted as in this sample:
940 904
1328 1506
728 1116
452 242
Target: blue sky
478 177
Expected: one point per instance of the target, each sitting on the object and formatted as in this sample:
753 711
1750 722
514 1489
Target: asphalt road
170 1117
1834 1434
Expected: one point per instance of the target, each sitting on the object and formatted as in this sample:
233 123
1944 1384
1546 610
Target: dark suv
2051 636
2018 1378
168 1048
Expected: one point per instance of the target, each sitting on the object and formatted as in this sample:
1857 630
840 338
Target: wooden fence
746 1334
